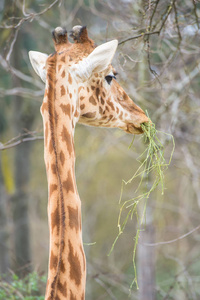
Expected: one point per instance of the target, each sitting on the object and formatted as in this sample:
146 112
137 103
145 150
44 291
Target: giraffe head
100 100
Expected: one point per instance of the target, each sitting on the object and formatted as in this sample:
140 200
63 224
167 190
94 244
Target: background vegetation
158 64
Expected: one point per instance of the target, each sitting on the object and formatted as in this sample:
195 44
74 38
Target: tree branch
20 139
30 16
18 73
19 91
174 240
138 36
195 13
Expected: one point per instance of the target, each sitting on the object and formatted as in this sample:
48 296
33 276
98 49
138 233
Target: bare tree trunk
146 260
23 118
146 255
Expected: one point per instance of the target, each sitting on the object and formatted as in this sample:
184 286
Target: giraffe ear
38 61
97 61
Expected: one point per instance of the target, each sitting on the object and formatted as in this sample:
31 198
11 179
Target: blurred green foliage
28 288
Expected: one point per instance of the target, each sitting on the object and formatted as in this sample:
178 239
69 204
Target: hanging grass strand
152 162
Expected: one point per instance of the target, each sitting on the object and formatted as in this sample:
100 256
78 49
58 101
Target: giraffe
80 86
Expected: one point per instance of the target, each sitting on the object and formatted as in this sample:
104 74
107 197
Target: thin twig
153 13
18 73
21 92
174 240
195 13
148 41
9 145
166 13
138 36
169 9
177 25
12 45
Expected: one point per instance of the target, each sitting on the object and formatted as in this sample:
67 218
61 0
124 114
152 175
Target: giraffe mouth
133 129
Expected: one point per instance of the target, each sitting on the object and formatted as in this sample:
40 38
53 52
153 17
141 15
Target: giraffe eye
109 78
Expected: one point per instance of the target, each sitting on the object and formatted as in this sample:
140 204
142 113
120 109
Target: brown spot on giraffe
80 88
92 100
100 110
75 267
62 288
70 78
62 158
72 296
62 90
125 96
53 261
73 218
68 184
63 74
53 187
53 168
63 58
76 114
62 266
55 219
111 104
66 109
66 137
102 101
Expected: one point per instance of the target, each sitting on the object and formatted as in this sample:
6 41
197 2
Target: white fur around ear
97 61
38 61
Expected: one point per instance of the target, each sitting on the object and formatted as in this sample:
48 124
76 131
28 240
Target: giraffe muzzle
133 129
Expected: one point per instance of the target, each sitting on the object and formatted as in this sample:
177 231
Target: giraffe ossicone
80 86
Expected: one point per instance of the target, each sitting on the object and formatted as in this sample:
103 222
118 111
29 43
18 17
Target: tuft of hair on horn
79 34
60 35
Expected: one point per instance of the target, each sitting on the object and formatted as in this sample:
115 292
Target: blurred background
158 64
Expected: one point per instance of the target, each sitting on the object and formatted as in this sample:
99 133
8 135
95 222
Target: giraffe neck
66 271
